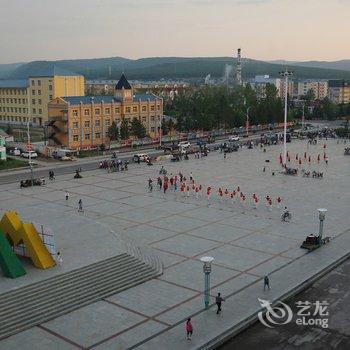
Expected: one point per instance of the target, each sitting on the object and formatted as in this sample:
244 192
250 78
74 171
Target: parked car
234 138
16 151
30 154
184 144
142 157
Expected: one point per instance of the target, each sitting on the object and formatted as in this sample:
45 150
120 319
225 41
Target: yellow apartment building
339 91
27 99
83 122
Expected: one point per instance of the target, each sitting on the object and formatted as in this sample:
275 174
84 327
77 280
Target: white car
184 144
30 154
234 138
16 152
142 157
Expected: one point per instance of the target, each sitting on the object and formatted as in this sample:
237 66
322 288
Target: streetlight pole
321 215
29 149
285 74
247 122
206 260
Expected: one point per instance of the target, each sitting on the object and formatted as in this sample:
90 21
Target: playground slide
9 263
38 252
18 232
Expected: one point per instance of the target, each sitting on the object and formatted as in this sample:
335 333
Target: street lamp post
160 130
321 215
29 149
206 260
285 74
247 122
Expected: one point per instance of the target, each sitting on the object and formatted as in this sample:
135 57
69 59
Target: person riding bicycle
286 214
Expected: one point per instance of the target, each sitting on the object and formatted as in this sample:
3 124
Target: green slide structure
9 263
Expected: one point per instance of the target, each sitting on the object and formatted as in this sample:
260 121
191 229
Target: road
88 164
334 288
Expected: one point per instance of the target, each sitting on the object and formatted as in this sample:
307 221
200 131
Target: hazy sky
265 29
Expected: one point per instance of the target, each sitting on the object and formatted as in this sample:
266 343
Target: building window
50 97
39 92
75 137
75 112
87 136
75 125
34 120
134 109
33 92
87 123
97 122
144 119
40 111
97 111
33 82
107 111
158 107
50 87
152 108
97 135
33 102
39 82
152 118
86 111
127 109
107 122
34 111
39 101
117 110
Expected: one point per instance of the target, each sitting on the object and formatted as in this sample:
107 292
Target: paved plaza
246 242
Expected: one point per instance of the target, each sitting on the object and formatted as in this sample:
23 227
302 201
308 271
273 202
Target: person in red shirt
189 329
208 193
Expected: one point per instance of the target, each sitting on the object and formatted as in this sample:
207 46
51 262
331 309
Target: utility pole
29 149
285 74
303 118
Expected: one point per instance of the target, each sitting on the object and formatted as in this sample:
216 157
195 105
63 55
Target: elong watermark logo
308 313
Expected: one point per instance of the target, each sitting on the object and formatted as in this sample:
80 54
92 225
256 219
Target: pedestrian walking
80 205
67 197
266 282
189 329
218 301
59 259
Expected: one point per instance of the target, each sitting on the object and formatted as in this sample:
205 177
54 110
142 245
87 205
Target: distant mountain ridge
340 65
170 68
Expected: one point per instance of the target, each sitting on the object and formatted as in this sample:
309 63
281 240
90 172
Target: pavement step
52 305
70 274
21 326
63 283
37 303
64 290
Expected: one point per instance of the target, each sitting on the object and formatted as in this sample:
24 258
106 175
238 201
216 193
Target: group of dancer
187 187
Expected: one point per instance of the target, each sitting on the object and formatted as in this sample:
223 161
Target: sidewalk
240 309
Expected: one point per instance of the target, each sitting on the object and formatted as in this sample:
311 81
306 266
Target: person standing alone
218 301
189 329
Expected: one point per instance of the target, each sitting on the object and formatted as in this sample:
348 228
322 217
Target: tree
113 132
124 129
9 129
137 128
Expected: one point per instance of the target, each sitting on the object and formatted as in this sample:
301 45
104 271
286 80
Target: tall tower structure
239 68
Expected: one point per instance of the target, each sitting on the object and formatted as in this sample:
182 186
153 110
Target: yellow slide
26 233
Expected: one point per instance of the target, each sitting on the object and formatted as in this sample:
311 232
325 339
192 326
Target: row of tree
209 108
126 129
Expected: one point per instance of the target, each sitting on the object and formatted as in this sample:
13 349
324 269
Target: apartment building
318 87
27 99
339 91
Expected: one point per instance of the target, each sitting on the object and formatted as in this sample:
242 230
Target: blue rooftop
75 100
51 71
20 83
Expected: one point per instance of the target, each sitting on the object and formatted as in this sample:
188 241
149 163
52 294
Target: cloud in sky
266 29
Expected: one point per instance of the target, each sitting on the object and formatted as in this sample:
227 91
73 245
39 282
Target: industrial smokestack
239 68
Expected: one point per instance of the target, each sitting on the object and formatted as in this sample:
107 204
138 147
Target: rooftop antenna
239 68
